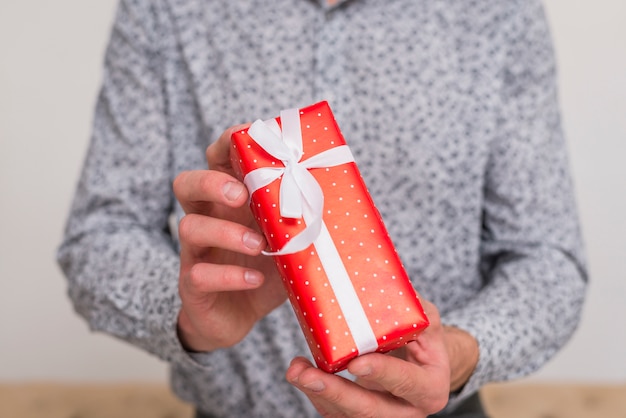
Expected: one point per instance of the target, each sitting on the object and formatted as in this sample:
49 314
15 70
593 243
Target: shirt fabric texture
451 111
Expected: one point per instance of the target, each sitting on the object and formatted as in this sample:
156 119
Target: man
450 109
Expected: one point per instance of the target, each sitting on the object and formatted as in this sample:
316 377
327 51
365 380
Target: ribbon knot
300 195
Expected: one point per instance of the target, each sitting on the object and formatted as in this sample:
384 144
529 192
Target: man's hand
224 285
412 382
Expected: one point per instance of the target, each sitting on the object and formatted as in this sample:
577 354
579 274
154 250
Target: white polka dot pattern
373 266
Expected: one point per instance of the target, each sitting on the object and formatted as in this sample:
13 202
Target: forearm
123 281
523 316
531 255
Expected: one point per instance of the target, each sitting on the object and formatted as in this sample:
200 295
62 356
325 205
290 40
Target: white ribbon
299 190
301 196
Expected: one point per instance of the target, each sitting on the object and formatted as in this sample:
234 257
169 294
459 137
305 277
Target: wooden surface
49 400
43 400
555 401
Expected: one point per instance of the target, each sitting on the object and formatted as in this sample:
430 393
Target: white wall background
50 59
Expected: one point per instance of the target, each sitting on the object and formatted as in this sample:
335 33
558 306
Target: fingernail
252 277
232 190
315 386
252 240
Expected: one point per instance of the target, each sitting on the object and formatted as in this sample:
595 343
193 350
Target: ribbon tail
290 195
261 177
302 241
329 158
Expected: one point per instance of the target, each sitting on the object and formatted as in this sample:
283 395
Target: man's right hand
225 285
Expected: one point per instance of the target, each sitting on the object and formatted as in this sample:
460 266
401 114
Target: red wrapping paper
357 232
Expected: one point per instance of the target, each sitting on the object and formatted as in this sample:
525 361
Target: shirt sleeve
531 256
117 253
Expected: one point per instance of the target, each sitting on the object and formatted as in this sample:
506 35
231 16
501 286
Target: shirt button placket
328 57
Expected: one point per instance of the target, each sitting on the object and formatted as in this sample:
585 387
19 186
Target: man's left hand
412 382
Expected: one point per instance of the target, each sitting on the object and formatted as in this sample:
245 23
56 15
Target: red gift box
343 275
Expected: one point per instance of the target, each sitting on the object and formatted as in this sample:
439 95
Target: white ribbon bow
300 194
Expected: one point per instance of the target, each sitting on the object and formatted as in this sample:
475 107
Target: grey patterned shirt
450 108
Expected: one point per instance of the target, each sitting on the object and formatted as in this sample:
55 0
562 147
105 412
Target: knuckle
210 152
231 274
334 397
196 278
178 183
404 388
186 227
210 278
206 183
367 412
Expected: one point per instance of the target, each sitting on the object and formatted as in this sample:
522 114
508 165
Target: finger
297 366
198 188
373 385
430 346
304 376
218 153
370 385
335 396
206 278
198 232
394 375
425 386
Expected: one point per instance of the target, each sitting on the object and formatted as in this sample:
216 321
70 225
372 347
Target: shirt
451 111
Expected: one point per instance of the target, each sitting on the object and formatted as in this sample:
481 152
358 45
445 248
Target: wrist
463 354
187 335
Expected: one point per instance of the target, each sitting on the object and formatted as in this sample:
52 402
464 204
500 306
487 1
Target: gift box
344 278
